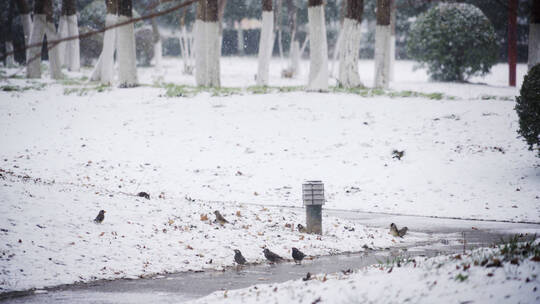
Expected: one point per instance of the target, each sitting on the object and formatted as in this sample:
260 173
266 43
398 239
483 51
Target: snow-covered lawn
470 278
68 150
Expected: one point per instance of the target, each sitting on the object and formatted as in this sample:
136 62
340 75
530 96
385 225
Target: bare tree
534 35
266 43
350 45
382 44
43 26
25 12
318 65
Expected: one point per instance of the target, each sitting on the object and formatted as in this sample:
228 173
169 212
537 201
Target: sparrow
398 154
239 258
394 231
270 256
220 218
297 255
301 228
143 194
100 217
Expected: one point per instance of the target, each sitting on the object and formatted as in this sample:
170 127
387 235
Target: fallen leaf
101 234
204 217
238 213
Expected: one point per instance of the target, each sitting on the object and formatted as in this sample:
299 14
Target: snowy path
182 287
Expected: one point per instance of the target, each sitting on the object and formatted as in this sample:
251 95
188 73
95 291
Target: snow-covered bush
528 109
454 40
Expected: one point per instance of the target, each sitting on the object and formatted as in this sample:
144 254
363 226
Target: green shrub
454 40
528 109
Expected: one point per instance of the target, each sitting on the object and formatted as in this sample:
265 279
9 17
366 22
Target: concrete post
313 197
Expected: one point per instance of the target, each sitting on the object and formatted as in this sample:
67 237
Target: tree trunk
43 25
104 70
26 18
294 48
213 51
348 53
156 39
534 35
382 44
318 65
8 37
240 38
265 43
200 44
127 64
72 49
392 40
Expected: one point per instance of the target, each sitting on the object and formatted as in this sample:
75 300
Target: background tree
266 43
318 64
72 50
7 33
382 44
348 52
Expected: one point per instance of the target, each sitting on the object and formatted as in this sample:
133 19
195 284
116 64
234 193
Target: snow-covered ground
470 278
66 156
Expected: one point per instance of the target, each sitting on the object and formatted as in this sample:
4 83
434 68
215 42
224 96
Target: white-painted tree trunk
318 64
265 48
10 61
158 53
33 60
295 59
213 54
104 69
62 47
74 55
240 38
54 54
337 48
27 27
348 54
534 44
382 56
127 64
392 56
200 52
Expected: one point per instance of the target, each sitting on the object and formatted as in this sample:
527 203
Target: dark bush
454 40
528 109
144 46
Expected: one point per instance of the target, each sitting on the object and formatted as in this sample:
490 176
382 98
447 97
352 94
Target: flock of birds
272 257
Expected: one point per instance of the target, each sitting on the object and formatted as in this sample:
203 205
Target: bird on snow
239 258
301 228
100 217
394 231
270 256
220 218
297 255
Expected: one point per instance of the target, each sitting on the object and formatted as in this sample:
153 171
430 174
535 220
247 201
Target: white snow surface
240 153
434 280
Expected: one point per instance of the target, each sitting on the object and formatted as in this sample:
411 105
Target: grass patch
21 88
82 91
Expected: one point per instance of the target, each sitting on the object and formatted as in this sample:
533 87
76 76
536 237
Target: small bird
301 228
394 231
272 257
398 154
100 217
297 255
144 194
239 258
220 218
